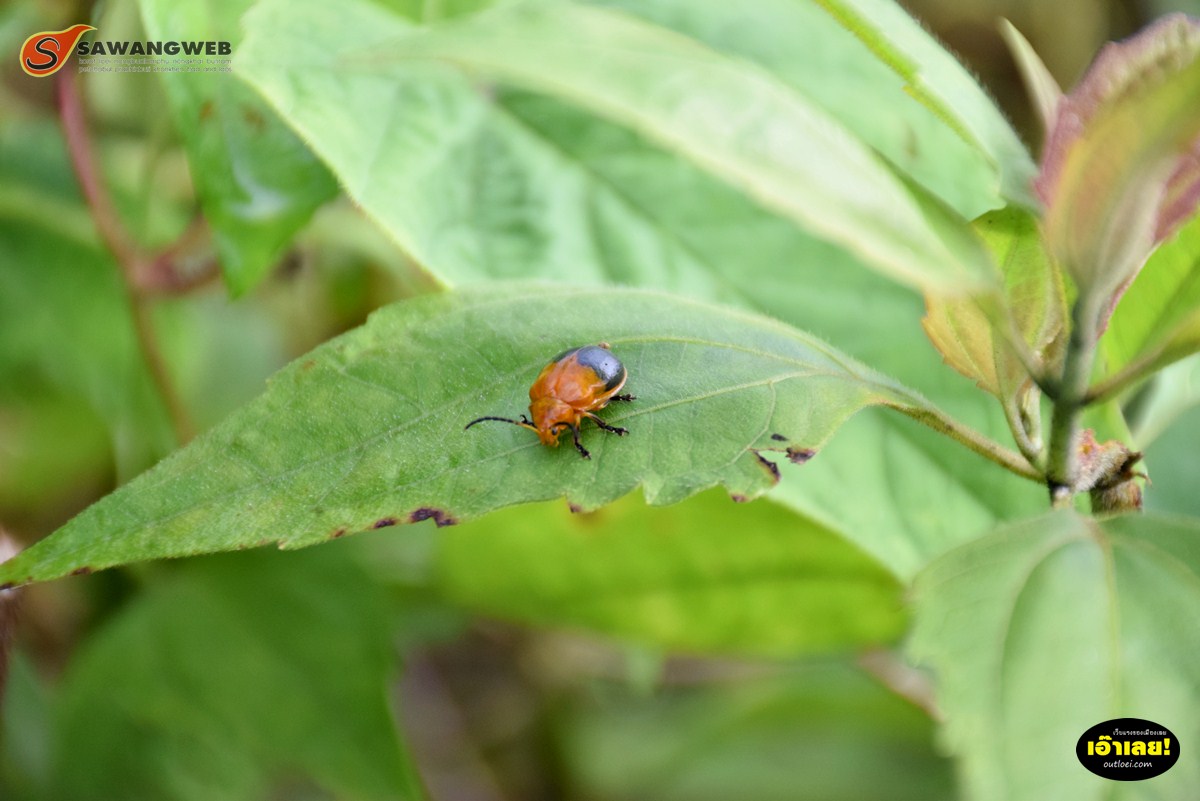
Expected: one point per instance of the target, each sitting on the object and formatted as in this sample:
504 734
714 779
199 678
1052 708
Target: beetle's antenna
523 422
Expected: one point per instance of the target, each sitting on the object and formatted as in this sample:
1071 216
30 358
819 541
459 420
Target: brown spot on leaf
206 111
739 498
308 364
575 508
253 118
769 466
439 517
341 532
384 522
779 437
81 571
800 455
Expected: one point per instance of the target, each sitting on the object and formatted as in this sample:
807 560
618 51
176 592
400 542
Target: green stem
1070 400
965 435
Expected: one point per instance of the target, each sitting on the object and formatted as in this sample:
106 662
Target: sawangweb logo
45 53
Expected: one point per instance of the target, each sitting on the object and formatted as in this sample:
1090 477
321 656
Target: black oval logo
1128 749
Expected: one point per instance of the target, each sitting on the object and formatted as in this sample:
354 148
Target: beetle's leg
578 445
625 398
620 432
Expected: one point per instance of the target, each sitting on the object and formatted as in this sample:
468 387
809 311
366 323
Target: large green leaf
327 69
1048 627
366 430
822 60
235 679
257 182
937 80
707 574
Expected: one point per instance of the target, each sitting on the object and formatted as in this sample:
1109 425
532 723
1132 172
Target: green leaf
805 733
1033 303
821 60
707 575
65 321
1044 91
776 147
902 493
1113 162
1158 319
1050 626
257 182
233 676
367 429
938 81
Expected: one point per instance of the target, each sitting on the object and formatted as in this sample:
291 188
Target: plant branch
1068 405
965 435
133 263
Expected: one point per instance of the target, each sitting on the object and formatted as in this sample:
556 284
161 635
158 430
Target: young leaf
736 121
1043 90
675 577
231 676
1034 300
1119 172
257 182
1158 319
367 430
1050 626
937 80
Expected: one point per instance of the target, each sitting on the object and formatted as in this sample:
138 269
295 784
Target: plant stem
965 435
1071 398
130 259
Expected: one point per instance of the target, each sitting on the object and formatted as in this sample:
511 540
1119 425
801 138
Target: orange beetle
576 384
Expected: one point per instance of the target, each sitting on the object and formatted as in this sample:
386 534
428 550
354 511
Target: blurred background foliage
264 675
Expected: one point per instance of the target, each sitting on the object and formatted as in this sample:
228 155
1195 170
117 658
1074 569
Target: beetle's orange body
575 385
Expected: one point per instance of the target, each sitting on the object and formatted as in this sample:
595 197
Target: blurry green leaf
824 62
1044 92
65 319
257 182
936 79
24 734
50 446
234 676
1050 626
1158 318
367 429
901 492
738 122
705 575
806 735
1168 415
